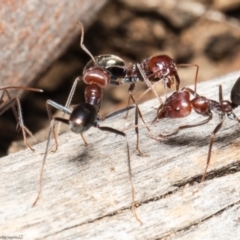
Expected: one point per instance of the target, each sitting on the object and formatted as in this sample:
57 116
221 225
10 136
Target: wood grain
35 33
86 193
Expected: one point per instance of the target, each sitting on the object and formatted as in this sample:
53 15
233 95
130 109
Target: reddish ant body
15 104
179 105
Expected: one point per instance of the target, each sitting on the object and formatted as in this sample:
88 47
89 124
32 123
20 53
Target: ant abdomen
82 117
235 94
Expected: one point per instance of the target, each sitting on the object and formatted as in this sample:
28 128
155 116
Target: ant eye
177 109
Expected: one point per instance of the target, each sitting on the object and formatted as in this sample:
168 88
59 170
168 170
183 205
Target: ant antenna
83 46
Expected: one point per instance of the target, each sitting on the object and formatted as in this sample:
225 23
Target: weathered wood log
34 34
86 191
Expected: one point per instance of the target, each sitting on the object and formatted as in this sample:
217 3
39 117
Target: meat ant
15 105
179 105
97 72
84 116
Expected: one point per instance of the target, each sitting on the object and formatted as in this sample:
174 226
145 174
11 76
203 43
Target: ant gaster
179 105
85 115
15 105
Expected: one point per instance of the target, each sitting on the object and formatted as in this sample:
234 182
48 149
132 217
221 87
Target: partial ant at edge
179 105
15 105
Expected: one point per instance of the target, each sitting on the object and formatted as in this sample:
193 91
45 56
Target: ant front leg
9 104
137 113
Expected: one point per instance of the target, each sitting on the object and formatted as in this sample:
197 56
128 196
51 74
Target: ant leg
61 108
148 83
191 91
69 100
158 110
196 73
187 126
62 120
9 104
138 113
217 128
130 90
108 129
70 96
220 94
14 109
84 140
117 112
51 131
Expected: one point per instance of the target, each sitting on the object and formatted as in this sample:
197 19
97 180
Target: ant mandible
179 105
15 105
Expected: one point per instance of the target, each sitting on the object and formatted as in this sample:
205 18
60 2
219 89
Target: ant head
162 66
82 117
178 105
113 64
235 94
226 107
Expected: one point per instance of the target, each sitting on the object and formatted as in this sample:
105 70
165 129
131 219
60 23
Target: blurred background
202 32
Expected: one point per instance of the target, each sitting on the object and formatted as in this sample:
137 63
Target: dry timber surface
35 33
86 191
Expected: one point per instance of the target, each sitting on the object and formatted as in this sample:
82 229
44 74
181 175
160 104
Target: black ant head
235 94
83 117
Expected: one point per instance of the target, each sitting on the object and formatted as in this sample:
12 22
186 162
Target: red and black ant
179 105
85 115
96 72
15 105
